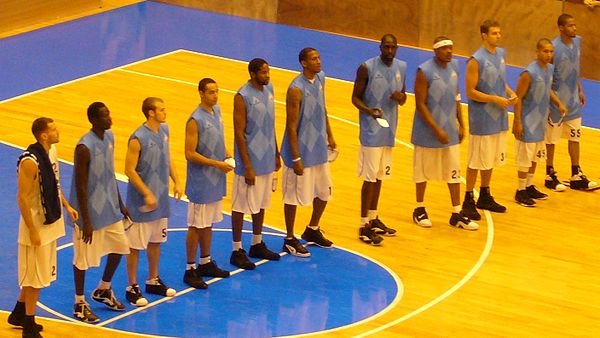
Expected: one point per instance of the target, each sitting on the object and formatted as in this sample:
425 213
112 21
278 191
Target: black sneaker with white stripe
381 229
107 297
369 236
295 248
536 194
522 197
83 312
134 296
158 287
316 237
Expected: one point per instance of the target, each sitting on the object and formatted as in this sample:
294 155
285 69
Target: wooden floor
530 272
541 274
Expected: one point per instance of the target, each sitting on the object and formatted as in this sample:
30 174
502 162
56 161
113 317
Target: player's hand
34 237
224 166
504 103
517 129
277 162
87 233
177 192
249 176
376 112
441 136
72 213
150 202
399 97
298 168
582 98
563 110
125 212
461 133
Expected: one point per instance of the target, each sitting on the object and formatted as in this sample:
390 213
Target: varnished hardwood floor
529 272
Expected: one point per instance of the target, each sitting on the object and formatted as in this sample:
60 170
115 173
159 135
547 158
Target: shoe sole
421 224
463 226
367 240
84 320
112 307
540 198
266 258
293 252
385 233
319 245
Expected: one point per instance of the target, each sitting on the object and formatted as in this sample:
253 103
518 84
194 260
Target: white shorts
37 265
374 163
315 182
204 215
110 239
567 129
527 152
487 151
140 234
249 199
441 164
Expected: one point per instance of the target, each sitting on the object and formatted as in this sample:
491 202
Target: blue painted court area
292 296
111 39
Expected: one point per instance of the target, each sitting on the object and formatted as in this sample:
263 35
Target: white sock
236 245
363 221
420 204
522 183
103 285
456 209
153 281
190 266
314 228
529 180
372 214
256 239
204 260
79 299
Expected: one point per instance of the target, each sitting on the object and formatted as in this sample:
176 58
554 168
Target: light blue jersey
534 111
312 125
207 184
442 88
382 82
260 130
489 118
153 168
566 78
103 196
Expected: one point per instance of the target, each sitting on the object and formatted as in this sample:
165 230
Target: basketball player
378 90
567 85
206 182
531 114
257 157
94 194
306 176
40 199
489 97
148 165
438 129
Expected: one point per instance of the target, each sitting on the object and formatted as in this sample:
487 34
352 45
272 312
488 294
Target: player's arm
360 85
292 108
400 96
191 142
459 117
177 189
421 91
82 168
239 128
27 173
581 94
471 79
522 88
561 107
131 161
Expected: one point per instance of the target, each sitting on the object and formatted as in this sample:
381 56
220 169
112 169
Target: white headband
442 44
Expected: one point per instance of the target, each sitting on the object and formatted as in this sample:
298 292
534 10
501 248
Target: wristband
297 159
